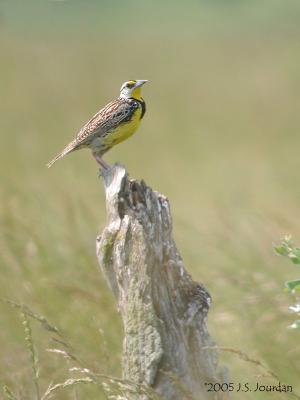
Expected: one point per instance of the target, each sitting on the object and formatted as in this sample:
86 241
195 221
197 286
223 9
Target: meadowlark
116 122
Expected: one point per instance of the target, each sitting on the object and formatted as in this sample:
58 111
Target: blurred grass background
220 138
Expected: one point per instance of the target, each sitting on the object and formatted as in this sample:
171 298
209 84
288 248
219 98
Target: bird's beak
140 82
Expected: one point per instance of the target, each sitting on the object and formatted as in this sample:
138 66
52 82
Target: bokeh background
220 138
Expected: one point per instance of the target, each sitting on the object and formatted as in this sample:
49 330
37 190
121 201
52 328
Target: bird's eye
130 85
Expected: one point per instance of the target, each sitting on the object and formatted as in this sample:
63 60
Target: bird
113 124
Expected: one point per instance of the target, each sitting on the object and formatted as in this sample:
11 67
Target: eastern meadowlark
116 122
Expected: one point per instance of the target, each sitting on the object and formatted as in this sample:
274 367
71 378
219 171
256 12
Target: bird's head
132 89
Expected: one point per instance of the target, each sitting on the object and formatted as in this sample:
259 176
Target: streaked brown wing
105 120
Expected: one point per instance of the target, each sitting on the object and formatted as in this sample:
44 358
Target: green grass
220 139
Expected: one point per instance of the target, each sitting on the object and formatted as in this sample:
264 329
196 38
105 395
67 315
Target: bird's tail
71 146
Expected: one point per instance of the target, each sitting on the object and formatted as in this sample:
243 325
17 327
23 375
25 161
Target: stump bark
166 342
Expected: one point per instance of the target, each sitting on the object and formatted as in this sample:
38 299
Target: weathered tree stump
166 342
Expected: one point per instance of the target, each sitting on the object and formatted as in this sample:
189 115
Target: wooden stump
163 310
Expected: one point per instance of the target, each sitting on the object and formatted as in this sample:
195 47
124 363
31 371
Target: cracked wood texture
166 343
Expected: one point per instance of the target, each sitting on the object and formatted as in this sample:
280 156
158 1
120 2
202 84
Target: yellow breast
123 131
